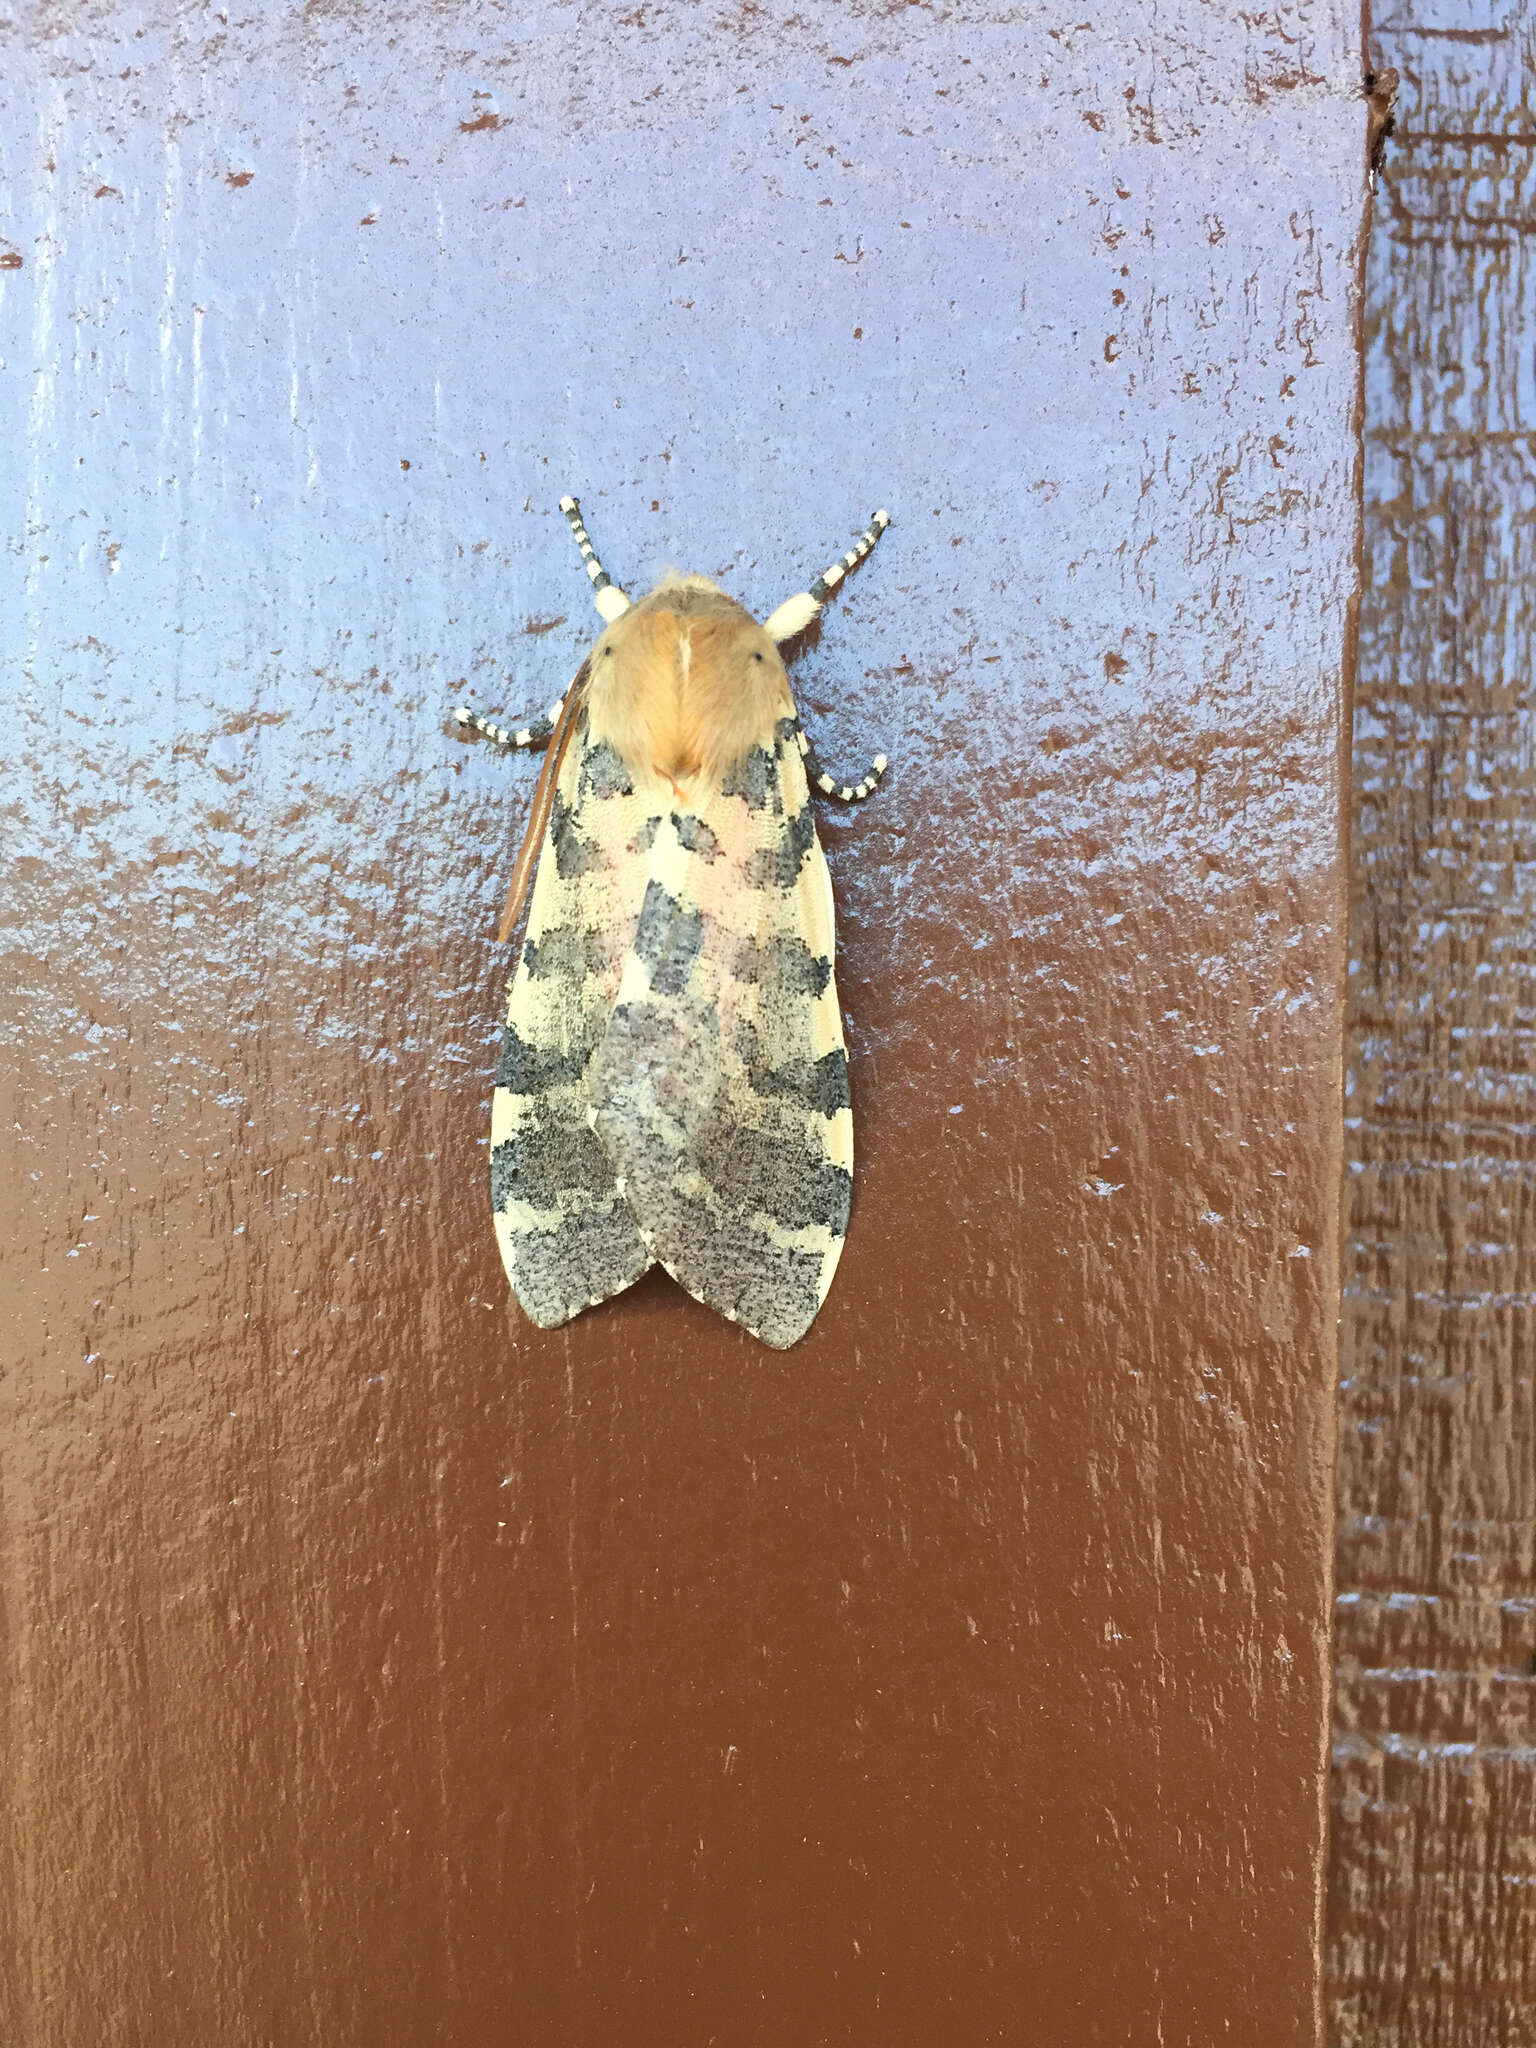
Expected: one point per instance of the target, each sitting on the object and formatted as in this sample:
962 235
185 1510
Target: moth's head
688 628
687 680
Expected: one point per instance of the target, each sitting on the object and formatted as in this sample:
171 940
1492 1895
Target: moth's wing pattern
720 1091
567 1238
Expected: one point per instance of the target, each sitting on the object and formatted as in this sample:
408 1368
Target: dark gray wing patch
773 1173
603 773
574 855
778 866
696 836
819 1085
754 779
776 1297
782 965
545 1160
588 1256
667 940
525 1069
567 953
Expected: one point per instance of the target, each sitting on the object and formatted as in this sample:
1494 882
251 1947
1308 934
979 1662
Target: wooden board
382 1669
1433 1900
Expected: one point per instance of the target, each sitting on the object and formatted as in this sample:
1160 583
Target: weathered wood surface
380 1669
1432 1927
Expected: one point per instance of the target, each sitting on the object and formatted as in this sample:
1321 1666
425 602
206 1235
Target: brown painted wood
380 1669
1433 1897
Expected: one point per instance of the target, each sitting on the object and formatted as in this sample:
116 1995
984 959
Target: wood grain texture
1433 1897
379 1669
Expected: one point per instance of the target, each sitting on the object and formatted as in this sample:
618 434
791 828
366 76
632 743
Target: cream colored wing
720 1090
567 1238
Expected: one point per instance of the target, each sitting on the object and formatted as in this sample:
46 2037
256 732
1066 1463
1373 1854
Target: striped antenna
796 613
606 594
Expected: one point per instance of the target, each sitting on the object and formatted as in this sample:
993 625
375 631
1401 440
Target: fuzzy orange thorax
685 683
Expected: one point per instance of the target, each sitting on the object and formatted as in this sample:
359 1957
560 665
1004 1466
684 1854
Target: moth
672 1086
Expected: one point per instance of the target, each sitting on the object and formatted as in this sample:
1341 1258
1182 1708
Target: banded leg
819 779
606 594
796 613
534 734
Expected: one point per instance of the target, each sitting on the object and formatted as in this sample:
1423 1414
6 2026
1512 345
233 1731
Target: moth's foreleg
796 613
819 779
606 594
534 734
